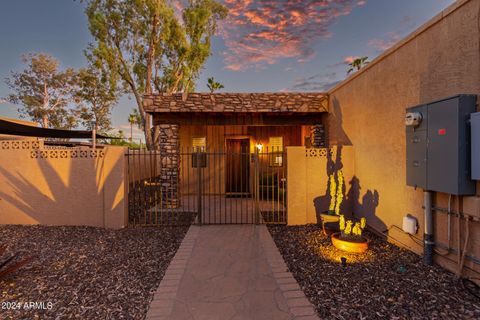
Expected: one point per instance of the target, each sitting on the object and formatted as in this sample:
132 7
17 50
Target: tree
357 63
142 45
134 118
43 91
214 85
95 99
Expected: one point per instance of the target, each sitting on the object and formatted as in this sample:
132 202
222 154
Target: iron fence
206 187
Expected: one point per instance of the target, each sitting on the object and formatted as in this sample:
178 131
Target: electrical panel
417 148
438 145
475 130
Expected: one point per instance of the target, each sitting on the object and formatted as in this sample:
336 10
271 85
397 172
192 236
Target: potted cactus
332 216
350 236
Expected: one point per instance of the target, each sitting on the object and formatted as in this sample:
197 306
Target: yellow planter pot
349 246
329 218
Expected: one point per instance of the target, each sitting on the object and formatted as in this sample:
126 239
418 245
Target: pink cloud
382 44
349 59
259 33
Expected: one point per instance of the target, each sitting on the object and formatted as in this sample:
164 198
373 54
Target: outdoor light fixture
259 146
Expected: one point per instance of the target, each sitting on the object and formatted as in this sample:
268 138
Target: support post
428 234
199 189
257 186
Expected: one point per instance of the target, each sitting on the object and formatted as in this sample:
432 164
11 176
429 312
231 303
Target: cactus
363 223
333 192
339 199
357 231
342 222
348 228
336 192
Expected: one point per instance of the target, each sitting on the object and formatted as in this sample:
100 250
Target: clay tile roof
236 102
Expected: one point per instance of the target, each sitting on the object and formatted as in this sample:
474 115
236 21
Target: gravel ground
86 273
386 282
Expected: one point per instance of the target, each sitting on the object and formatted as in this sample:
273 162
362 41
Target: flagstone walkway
229 272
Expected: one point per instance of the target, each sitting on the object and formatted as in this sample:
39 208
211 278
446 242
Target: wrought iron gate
207 187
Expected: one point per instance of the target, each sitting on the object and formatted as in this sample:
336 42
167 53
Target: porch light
259 146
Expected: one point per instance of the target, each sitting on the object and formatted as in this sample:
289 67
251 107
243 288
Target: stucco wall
440 59
308 182
61 186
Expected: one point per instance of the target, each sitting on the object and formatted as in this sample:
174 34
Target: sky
262 46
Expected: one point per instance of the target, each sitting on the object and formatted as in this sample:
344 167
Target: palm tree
133 119
214 85
357 64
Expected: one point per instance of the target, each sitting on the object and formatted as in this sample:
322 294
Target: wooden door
237 167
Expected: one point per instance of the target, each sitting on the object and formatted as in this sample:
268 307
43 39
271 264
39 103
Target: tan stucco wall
308 184
61 186
440 59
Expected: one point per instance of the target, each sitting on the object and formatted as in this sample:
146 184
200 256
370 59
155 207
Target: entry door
238 167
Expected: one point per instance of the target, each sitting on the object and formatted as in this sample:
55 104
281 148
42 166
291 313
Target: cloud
259 33
382 44
405 25
349 59
319 82
346 61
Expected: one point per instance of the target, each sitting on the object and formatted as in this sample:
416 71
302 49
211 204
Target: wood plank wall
214 173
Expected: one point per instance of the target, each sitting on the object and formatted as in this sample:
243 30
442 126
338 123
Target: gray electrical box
475 130
417 149
438 145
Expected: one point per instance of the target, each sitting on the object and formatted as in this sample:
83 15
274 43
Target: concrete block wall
62 186
308 182
367 110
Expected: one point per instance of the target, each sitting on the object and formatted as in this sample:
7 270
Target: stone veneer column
170 171
318 136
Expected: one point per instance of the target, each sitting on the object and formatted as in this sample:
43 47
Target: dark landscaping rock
386 282
87 273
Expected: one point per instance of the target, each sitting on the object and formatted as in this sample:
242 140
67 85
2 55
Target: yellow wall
440 59
61 186
308 185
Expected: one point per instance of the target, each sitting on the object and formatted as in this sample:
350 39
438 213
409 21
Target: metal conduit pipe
449 222
459 236
437 244
455 213
429 242
465 246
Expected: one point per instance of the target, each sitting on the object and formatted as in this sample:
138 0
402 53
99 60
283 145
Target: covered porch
243 138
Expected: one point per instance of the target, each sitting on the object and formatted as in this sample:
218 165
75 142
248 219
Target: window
276 151
199 144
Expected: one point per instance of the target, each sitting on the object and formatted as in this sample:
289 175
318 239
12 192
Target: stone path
229 272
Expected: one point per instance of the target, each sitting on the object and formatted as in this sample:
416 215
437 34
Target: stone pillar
318 136
170 171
